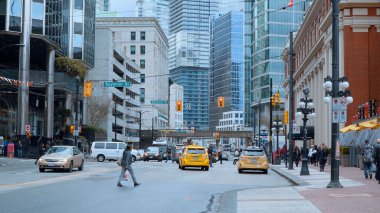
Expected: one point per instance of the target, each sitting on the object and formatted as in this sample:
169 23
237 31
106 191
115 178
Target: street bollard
11 150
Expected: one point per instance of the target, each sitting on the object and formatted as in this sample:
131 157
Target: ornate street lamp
331 86
277 127
305 109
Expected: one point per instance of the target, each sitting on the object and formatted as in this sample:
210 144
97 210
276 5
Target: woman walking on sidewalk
322 157
297 155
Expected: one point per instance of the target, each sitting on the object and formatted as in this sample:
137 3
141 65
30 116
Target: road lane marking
54 179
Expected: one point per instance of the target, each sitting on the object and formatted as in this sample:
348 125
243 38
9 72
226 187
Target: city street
164 188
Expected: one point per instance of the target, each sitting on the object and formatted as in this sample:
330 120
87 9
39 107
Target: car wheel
206 168
71 167
182 167
265 171
100 158
240 170
41 169
133 158
81 166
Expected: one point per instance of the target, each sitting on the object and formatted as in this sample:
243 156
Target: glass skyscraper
189 55
271 23
155 8
227 67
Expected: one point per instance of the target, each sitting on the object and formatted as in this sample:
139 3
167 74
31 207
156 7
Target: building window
142 49
142 76
134 60
142 63
133 36
142 36
142 95
133 49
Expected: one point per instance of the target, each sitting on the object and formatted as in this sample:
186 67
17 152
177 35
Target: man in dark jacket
377 160
209 152
126 164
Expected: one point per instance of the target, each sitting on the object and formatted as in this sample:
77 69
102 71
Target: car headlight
145 154
156 154
41 160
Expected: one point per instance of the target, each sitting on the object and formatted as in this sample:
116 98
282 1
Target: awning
369 124
352 127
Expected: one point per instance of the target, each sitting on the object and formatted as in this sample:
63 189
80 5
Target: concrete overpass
208 134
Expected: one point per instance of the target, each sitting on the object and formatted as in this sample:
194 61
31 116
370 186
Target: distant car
153 153
62 157
253 158
177 154
135 155
102 150
141 153
194 156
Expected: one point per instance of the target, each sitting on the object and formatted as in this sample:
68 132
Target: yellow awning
369 124
356 128
346 129
376 126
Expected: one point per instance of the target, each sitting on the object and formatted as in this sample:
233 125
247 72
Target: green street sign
159 102
117 84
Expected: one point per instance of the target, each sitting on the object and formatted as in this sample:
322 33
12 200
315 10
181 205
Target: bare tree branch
97 110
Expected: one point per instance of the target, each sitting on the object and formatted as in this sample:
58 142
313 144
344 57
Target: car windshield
250 152
152 149
60 150
196 151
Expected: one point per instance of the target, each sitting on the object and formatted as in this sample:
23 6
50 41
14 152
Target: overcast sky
123 7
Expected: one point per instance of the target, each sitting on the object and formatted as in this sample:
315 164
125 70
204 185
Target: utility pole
76 114
290 101
152 129
270 120
115 119
140 128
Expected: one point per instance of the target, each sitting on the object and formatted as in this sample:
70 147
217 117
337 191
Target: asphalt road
164 188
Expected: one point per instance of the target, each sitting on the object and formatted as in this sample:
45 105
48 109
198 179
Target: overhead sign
117 84
296 128
159 102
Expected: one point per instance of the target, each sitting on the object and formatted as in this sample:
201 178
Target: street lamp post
331 87
277 127
305 109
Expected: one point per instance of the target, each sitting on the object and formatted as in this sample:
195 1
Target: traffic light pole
270 120
290 115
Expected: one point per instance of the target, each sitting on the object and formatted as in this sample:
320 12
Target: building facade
189 55
226 66
145 43
155 8
271 23
120 123
359 39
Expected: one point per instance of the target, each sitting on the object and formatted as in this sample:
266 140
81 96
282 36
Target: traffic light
178 106
277 100
217 135
220 101
272 100
72 128
87 89
286 117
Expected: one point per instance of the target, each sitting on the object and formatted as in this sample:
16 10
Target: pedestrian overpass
207 134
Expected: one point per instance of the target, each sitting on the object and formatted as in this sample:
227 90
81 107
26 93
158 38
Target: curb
291 178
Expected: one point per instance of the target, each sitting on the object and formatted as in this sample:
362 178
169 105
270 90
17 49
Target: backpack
368 154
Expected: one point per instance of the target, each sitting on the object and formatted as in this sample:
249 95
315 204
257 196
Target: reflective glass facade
189 55
53 23
270 28
155 8
248 112
227 67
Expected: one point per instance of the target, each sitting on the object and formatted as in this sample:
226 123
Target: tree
71 67
97 109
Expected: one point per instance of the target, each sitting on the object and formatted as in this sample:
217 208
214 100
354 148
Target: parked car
194 156
153 153
61 157
253 158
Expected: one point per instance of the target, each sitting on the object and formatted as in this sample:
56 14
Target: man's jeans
367 169
122 173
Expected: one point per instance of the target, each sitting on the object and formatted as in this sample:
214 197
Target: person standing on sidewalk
19 149
168 153
126 164
297 155
377 160
368 153
220 153
322 157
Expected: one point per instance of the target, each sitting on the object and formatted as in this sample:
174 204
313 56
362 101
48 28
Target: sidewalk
357 195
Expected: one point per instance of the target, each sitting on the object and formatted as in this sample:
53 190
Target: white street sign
76 132
343 103
336 104
188 106
343 116
335 116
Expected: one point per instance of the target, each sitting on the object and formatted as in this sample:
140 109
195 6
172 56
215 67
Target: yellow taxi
194 156
253 158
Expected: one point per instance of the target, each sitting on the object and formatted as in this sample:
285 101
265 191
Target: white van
105 150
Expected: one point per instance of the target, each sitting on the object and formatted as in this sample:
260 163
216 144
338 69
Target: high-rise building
103 5
145 43
155 8
247 39
271 23
226 66
189 55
